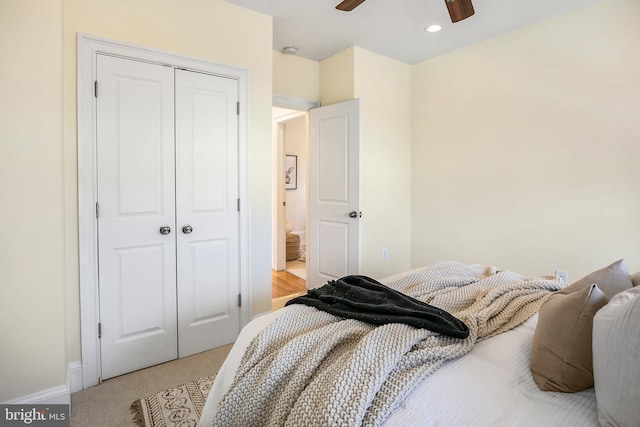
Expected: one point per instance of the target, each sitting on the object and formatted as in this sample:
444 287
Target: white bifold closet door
167 218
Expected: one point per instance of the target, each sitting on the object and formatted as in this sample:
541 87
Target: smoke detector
289 50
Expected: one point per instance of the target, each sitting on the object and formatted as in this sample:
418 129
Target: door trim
293 103
88 47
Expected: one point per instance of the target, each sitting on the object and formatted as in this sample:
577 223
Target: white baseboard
60 395
54 396
74 377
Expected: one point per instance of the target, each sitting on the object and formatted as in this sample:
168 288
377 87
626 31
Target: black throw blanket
363 298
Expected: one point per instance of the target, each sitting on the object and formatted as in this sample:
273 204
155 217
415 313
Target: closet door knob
187 229
165 229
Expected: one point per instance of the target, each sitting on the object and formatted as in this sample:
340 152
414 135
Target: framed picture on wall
291 172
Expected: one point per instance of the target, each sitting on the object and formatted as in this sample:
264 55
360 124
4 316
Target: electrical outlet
563 275
385 254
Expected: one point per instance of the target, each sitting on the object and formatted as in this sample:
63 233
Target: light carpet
176 406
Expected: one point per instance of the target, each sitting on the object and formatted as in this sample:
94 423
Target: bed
487 381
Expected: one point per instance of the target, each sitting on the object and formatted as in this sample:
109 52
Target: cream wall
383 86
32 276
337 77
39 251
296 77
525 147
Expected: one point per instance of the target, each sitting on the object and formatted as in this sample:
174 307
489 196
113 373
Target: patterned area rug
180 406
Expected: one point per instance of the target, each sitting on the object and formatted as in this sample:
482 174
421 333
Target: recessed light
434 28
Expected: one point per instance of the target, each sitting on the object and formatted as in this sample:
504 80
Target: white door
164 165
137 264
333 241
207 211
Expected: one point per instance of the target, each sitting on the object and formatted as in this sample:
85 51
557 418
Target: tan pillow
616 370
561 354
635 279
610 279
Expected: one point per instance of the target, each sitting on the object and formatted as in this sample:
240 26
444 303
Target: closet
167 212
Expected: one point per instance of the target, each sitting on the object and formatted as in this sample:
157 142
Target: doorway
290 142
331 182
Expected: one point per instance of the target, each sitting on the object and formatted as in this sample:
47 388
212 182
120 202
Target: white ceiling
395 28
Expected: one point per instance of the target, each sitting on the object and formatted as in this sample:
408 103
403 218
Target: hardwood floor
284 283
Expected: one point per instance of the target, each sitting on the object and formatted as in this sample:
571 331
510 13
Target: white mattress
490 386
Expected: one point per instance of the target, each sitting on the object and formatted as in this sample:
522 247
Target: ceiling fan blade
349 5
459 9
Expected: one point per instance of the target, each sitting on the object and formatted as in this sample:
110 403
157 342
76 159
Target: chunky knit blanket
312 368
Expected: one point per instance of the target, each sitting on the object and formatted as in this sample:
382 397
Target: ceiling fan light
433 28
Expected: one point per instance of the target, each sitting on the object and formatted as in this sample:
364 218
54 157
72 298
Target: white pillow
616 354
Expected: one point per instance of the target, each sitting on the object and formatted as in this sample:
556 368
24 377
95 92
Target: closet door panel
206 209
136 197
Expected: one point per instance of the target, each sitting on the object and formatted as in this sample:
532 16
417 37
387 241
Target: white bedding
490 386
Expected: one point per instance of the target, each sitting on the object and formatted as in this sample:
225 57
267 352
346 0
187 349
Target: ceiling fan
458 9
